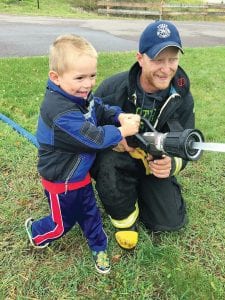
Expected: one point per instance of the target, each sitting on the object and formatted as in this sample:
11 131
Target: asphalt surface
30 36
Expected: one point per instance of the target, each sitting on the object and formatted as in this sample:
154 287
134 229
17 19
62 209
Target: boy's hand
123 117
130 125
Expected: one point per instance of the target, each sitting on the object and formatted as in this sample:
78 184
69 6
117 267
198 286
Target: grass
83 9
188 265
58 8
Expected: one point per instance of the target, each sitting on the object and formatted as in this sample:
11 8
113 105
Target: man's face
80 79
158 72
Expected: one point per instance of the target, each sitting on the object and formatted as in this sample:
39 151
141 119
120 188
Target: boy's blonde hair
66 49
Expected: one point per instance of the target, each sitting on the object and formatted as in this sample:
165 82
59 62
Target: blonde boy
73 125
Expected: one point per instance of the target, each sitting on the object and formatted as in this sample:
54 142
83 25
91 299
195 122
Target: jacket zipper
71 173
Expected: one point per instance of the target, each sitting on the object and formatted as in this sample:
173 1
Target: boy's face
157 73
80 79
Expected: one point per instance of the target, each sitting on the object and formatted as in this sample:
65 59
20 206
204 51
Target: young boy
73 125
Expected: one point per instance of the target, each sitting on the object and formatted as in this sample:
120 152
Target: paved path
29 36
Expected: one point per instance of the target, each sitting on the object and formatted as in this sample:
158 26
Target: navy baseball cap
157 36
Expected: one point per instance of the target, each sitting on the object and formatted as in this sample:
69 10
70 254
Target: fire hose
187 144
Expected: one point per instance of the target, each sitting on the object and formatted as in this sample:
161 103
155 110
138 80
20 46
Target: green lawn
60 8
83 8
189 264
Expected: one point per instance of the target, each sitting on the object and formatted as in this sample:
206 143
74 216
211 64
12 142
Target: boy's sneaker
101 259
28 225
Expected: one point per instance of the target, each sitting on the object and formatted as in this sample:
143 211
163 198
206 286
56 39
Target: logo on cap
163 31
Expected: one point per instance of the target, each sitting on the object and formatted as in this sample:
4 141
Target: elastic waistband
58 188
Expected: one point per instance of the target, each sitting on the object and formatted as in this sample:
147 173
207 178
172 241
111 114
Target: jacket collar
80 101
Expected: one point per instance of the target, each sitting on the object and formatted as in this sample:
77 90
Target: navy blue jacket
70 132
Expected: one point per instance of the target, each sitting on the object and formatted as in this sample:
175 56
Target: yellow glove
140 154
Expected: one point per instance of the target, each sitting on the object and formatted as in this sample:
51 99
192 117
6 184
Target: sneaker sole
30 238
101 271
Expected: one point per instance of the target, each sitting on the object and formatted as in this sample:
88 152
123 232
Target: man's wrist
176 166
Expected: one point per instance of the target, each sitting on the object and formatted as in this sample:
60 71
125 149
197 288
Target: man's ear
54 77
139 58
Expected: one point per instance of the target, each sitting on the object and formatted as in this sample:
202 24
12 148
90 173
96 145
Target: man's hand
160 168
123 146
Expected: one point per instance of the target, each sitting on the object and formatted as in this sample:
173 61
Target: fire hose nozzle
174 143
178 143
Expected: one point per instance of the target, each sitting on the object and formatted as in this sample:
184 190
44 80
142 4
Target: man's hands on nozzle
160 168
130 123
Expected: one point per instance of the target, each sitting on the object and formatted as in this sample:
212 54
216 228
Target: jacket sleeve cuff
177 166
116 117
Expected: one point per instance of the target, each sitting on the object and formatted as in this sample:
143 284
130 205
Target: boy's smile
79 80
